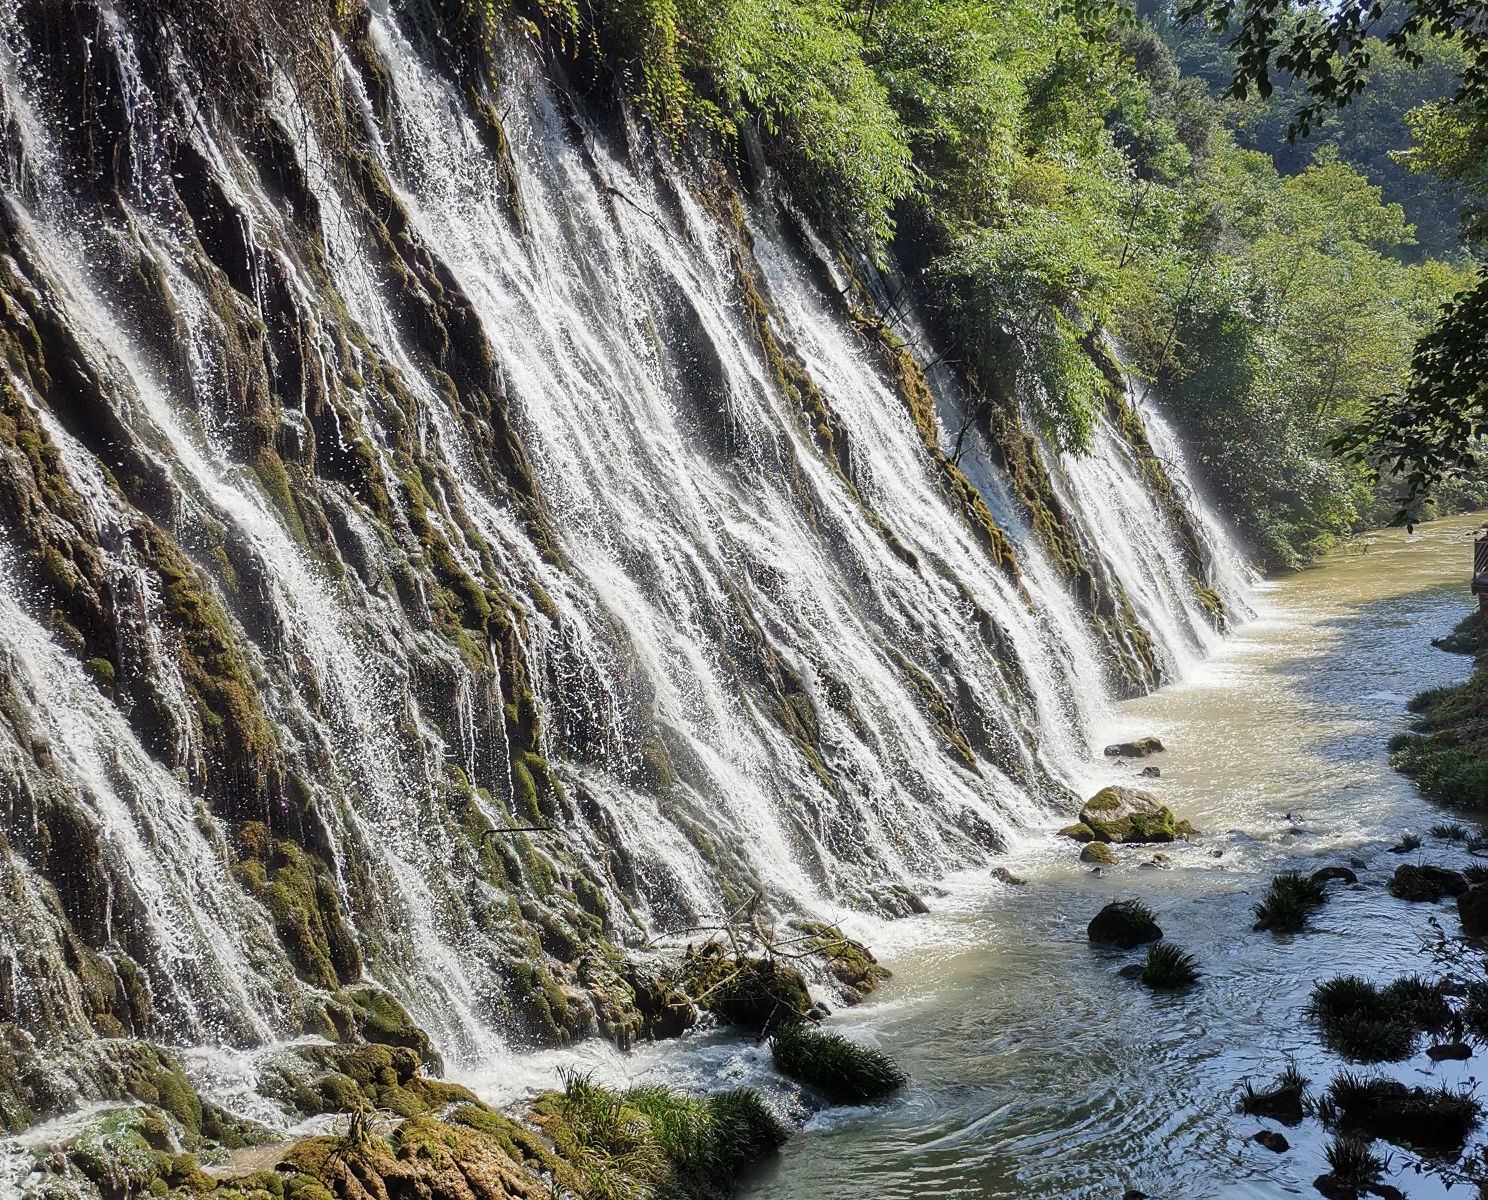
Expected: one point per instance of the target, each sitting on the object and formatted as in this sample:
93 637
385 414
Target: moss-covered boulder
315 1079
1079 832
757 994
1472 908
382 1020
1120 814
1124 923
475 1154
1099 853
848 961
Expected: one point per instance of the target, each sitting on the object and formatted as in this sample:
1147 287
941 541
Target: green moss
300 894
849 961
239 741
381 1019
125 1152
756 994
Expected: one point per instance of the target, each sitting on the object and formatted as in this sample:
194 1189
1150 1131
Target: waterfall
497 481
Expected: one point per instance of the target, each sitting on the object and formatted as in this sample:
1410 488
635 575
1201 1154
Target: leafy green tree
1433 429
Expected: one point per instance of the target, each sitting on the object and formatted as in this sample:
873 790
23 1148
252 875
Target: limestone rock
1140 748
1120 814
1422 882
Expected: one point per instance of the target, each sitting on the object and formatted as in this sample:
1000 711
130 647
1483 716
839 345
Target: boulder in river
1121 814
1008 877
1423 882
1330 874
1449 1051
1124 923
1143 747
1152 772
1273 1140
1098 852
1472 907
1080 831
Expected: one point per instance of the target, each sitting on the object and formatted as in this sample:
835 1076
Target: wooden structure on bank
1480 572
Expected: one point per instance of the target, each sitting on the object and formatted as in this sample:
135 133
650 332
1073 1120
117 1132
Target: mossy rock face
333 1079
1124 923
1099 853
301 895
614 999
127 1152
1425 883
849 962
665 1010
757 994
382 1020
1079 832
1120 814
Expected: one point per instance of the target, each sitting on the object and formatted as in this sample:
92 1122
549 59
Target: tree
1432 429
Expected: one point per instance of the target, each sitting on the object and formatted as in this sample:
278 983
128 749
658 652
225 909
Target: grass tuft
1450 833
654 1140
1285 1100
1368 1024
1353 1164
1418 1002
1169 966
844 1070
1288 900
1437 1118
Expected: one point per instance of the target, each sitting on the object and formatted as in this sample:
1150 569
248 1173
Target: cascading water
494 480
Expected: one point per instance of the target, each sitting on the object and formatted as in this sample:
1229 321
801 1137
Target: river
1036 1070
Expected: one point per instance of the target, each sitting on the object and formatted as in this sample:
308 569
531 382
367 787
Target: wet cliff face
392 461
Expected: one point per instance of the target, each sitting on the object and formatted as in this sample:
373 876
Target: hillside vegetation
1049 175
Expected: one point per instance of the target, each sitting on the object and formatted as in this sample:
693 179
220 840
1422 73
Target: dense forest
1059 173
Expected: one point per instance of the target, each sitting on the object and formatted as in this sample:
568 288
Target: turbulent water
378 481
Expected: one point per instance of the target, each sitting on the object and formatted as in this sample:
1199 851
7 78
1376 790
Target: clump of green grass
1420 1003
1284 1101
1450 833
654 1140
1475 1008
1475 873
1406 844
845 1071
1288 900
1437 1118
1353 1164
1363 1022
1169 966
